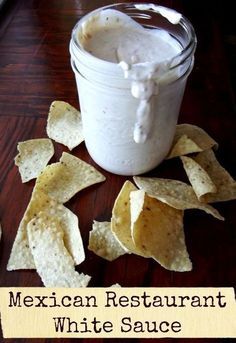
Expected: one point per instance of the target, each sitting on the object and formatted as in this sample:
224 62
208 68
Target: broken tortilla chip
200 180
53 262
64 124
225 184
158 232
189 139
121 220
21 257
174 193
33 157
62 180
103 242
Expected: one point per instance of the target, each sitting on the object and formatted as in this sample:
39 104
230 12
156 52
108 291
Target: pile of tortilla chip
149 221
145 226
210 181
48 237
64 125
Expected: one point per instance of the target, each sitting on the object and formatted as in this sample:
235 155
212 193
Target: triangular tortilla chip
53 262
64 124
103 242
201 182
189 139
21 257
121 221
225 184
62 180
69 223
33 157
174 193
158 232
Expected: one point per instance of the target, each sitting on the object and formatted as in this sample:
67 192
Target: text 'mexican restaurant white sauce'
131 75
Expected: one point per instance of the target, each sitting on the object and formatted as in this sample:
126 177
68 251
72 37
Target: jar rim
174 62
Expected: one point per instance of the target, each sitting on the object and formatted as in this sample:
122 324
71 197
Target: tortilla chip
53 262
33 157
174 193
21 257
68 221
158 232
225 184
121 221
201 182
64 124
183 146
189 139
116 285
103 242
62 180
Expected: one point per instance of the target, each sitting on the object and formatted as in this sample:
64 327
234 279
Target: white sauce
170 14
143 54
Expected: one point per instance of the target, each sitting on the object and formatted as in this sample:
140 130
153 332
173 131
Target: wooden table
35 70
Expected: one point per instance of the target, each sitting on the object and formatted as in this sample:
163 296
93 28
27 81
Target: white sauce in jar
130 82
143 54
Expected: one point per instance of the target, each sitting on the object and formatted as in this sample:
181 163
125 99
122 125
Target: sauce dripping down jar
131 63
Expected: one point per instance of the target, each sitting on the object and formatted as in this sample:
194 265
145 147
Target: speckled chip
190 139
103 242
69 223
21 257
53 262
157 231
33 157
198 177
225 184
174 193
121 219
64 124
62 180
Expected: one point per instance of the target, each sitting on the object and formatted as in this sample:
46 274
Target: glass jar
108 108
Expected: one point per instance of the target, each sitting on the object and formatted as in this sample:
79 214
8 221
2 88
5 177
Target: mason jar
109 109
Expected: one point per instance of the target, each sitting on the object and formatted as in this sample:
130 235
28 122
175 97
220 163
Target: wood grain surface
35 70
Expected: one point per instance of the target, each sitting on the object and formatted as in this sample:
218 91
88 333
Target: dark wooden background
35 70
